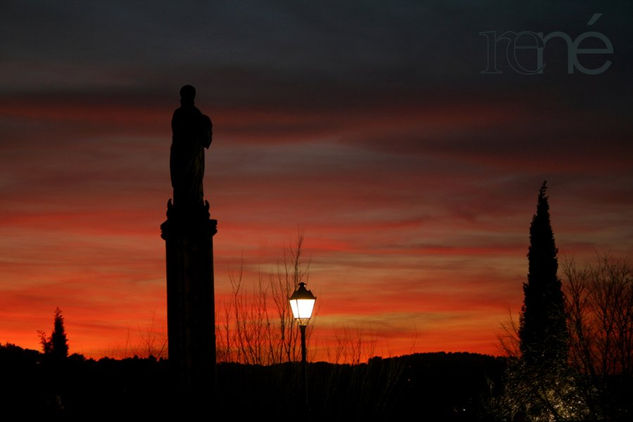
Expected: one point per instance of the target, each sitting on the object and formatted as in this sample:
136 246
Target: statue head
187 94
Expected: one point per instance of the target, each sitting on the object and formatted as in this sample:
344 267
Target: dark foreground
433 387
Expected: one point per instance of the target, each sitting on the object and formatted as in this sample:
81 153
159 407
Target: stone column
188 234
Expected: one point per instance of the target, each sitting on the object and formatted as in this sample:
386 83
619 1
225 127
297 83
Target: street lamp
302 304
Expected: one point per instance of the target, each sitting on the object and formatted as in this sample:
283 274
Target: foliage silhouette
543 330
56 345
539 384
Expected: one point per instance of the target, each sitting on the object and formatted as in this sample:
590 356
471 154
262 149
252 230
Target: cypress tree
59 341
543 333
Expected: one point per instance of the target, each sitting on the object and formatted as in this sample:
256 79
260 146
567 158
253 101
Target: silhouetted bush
55 346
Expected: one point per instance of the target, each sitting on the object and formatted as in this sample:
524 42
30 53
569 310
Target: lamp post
302 304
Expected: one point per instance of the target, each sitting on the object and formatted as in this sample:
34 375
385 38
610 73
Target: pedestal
188 235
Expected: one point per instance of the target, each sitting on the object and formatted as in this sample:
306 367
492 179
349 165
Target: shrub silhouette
55 346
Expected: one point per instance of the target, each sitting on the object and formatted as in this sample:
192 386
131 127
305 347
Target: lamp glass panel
302 308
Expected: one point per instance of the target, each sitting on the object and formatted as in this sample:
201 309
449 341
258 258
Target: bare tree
600 306
153 341
290 272
600 309
257 324
352 346
509 339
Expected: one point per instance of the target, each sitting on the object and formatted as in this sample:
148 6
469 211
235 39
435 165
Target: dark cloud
284 51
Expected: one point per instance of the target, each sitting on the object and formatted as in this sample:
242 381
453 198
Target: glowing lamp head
302 304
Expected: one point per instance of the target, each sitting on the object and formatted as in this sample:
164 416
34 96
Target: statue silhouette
192 132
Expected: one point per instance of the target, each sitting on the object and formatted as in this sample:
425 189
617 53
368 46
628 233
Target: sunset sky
367 126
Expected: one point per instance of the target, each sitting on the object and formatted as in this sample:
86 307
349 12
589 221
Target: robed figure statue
192 132
188 233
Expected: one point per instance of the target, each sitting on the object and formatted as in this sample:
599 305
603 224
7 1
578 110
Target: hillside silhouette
443 386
